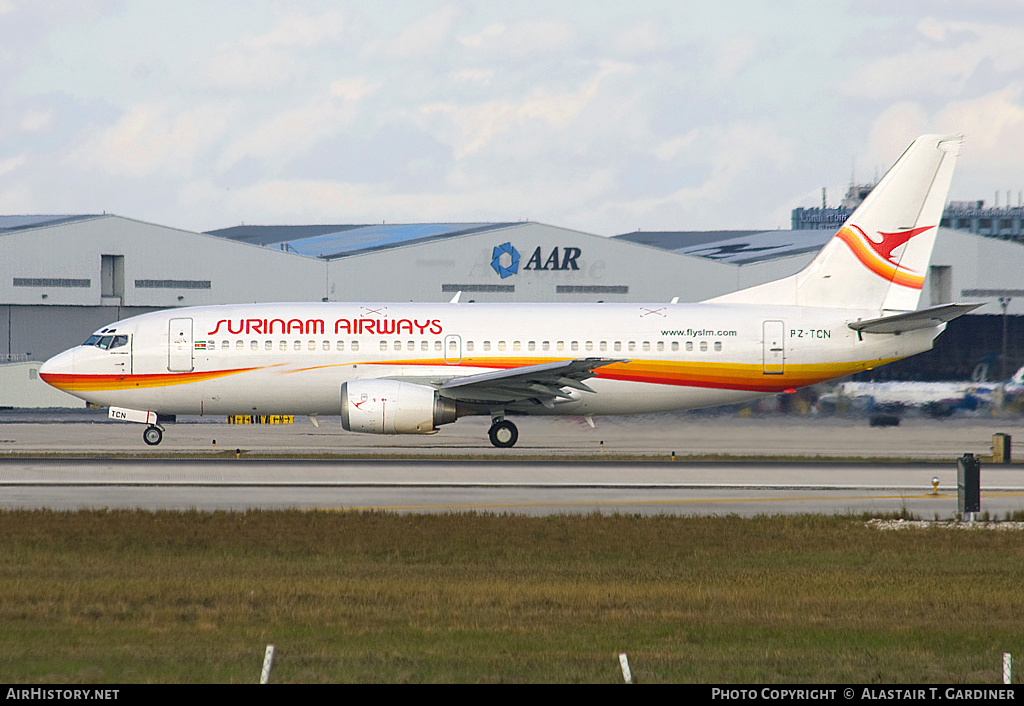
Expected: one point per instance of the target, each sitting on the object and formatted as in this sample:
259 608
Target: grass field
195 597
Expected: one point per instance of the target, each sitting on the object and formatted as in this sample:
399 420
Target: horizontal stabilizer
925 318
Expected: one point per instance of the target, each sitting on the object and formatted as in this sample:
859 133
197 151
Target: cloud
993 126
482 77
153 139
291 132
477 125
270 59
894 129
36 120
943 62
739 158
424 37
521 39
12 163
295 30
303 200
732 56
19 199
640 39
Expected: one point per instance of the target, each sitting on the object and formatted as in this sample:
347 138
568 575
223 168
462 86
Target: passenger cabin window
469 346
383 345
703 346
675 345
718 346
239 345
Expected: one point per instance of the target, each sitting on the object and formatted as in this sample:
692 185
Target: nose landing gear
153 435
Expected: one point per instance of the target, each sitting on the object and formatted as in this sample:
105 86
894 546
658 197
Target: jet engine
393 407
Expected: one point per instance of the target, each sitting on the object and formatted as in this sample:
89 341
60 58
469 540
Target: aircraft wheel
152 436
503 434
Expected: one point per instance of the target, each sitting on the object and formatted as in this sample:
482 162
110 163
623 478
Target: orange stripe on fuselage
70 382
722 376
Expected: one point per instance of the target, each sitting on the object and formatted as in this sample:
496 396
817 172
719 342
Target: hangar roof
333 241
12 223
736 247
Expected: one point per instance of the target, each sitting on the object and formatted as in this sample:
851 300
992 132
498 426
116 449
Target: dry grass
195 597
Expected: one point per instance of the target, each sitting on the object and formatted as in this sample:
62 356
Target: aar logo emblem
505 266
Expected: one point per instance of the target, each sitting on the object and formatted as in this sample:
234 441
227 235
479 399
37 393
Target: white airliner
410 368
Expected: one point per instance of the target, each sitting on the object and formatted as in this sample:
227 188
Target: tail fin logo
878 257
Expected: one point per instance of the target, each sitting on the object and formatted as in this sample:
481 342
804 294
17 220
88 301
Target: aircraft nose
60 364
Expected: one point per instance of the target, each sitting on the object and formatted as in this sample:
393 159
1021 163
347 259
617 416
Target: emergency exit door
774 343
179 346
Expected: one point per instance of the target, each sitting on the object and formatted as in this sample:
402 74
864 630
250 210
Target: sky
605 117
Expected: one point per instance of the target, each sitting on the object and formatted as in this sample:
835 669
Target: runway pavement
80 461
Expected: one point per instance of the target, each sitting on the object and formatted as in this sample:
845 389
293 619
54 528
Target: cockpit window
106 342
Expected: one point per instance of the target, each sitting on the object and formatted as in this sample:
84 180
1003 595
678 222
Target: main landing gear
503 434
153 435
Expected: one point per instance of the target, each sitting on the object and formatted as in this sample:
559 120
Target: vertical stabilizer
879 257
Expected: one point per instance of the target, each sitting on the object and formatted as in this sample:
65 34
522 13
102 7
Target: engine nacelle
393 407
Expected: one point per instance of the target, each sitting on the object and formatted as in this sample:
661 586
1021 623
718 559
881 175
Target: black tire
884 420
503 434
152 436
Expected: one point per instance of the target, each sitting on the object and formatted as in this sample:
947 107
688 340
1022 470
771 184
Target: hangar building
63 277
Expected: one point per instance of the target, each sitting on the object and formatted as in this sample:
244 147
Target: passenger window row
486 346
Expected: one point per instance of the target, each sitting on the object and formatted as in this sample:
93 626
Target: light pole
1004 302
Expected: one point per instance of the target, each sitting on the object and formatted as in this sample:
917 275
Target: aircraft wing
925 318
543 382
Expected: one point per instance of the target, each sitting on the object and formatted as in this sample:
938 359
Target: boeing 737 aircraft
410 368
